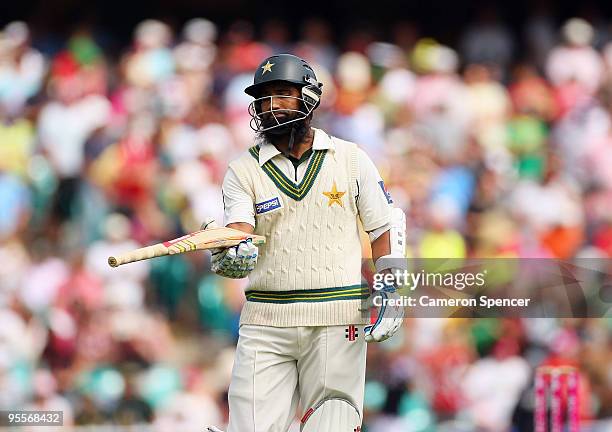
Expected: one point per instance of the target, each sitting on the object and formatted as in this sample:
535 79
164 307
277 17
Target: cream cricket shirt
309 271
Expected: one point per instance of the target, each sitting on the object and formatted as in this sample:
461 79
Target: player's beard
283 131
278 121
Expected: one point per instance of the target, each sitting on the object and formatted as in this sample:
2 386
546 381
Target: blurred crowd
490 151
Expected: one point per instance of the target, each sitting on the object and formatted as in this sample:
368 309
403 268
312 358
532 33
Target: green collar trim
297 162
295 191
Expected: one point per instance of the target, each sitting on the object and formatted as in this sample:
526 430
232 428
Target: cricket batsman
303 333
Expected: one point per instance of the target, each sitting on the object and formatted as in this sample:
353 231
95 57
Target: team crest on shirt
334 196
268 206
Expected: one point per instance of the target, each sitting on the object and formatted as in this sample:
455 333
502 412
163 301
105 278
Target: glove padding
235 262
389 318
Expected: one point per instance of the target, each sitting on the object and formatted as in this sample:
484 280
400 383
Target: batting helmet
285 68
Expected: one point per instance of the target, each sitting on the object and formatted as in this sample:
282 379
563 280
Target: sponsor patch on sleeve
385 192
268 206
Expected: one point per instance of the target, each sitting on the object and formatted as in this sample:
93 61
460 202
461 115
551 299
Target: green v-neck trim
293 190
297 162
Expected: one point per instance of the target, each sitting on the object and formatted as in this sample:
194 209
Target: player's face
283 100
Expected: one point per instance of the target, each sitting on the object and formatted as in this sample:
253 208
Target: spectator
575 68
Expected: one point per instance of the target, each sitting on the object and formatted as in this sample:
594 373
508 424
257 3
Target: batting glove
213 429
235 262
389 318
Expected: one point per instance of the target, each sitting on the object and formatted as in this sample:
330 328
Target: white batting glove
235 262
389 318
213 429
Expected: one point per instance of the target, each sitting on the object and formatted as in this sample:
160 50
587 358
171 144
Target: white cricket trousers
275 367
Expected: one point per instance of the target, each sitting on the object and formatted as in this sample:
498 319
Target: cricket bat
200 240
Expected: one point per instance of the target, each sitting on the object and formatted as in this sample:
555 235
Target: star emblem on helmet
267 67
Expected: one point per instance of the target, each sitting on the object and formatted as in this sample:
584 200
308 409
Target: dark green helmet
285 68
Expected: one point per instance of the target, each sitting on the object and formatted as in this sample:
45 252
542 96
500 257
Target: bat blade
200 240
211 238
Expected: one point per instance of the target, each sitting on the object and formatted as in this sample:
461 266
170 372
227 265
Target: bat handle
139 254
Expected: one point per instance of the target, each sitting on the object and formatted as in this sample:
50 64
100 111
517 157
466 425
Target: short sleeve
374 202
238 205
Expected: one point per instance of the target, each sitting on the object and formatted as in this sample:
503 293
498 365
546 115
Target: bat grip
137 255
